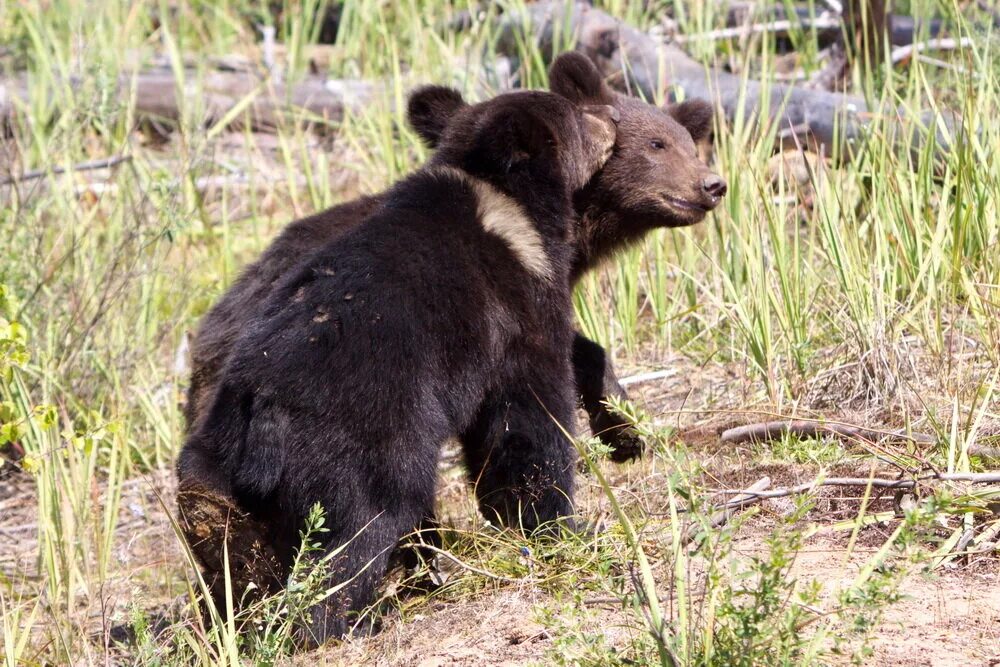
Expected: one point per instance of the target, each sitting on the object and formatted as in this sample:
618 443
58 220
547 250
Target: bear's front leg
595 383
518 454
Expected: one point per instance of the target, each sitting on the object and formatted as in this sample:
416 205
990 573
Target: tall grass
872 272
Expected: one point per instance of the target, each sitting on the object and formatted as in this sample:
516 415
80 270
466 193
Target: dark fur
414 327
618 206
227 319
622 203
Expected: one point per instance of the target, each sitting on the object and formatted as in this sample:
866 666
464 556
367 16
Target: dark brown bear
654 179
452 298
653 166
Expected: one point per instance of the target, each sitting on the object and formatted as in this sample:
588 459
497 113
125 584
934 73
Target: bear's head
653 178
531 137
655 172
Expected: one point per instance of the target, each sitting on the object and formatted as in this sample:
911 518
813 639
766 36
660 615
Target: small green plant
273 622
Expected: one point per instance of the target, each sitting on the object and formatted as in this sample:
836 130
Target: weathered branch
902 29
778 27
238 97
647 377
747 496
904 53
986 540
774 430
105 163
722 516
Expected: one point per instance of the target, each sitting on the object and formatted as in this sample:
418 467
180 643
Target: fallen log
236 99
638 63
902 29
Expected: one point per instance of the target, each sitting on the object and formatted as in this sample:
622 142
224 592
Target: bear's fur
452 298
615 209
653 179
623 202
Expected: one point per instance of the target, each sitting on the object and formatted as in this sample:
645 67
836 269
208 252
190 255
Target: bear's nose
714 186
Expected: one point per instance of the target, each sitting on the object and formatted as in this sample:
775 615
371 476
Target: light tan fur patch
502 216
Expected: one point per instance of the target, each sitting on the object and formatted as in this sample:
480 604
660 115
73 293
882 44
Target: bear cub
452 298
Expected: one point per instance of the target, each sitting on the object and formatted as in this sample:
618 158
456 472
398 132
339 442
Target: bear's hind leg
358 560
518 455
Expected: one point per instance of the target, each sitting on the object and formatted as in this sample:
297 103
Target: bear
453 296
654 156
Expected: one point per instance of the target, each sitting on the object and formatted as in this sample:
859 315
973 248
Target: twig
23 528
822 22
767 431
104 163
722 516
903 53
985 540
937 62
647 377
740 500
963 542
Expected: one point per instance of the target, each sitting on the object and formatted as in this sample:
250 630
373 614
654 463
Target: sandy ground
948 617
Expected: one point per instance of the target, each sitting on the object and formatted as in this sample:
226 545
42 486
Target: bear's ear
512 137
430 109
575 77
696 117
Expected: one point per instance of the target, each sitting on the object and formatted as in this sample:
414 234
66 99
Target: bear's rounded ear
512 137
576 78
696 117
430 109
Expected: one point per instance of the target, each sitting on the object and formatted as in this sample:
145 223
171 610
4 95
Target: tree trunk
868 28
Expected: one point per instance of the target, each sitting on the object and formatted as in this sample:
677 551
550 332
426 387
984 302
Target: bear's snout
714 186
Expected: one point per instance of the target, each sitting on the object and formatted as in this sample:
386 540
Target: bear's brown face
655 170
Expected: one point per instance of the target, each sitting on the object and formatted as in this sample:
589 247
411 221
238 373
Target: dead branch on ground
722 516
773 430
745 497
234 98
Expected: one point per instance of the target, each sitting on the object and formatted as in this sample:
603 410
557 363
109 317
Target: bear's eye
657 144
